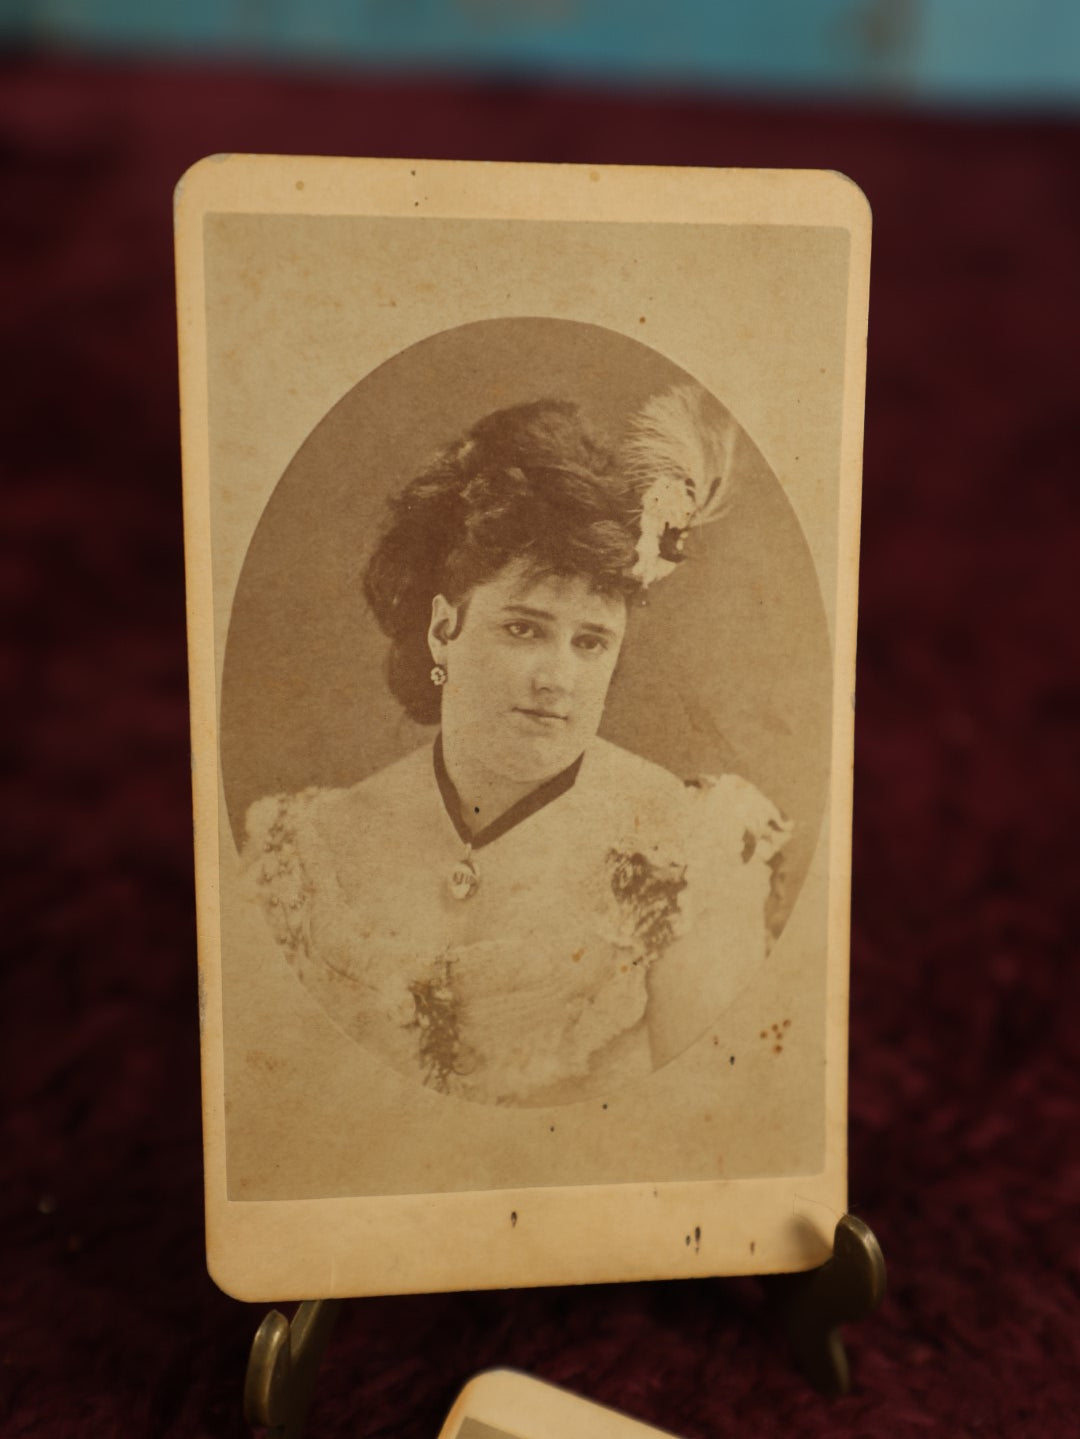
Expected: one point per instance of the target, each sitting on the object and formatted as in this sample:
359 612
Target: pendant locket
464 880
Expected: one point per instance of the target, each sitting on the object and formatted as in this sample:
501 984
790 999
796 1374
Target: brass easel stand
285 1357
847 1287
283 1364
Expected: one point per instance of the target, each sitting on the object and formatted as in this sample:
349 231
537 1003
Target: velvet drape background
964 1116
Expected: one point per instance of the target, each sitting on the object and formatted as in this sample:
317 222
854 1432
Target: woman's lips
546 719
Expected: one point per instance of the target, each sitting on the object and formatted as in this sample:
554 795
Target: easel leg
282 1366
847 1287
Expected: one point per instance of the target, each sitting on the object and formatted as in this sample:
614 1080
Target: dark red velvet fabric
964 1129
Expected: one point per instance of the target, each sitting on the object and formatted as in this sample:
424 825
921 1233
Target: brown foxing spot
576 956
262 1059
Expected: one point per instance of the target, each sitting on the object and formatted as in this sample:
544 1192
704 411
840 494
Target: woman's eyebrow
528 612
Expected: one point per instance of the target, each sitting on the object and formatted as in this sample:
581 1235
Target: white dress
535 989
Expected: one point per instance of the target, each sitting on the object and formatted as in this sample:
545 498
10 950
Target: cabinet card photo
521 510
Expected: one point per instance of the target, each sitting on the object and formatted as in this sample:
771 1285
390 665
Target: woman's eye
520 630
592 643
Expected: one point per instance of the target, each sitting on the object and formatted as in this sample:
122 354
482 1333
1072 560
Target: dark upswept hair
529 483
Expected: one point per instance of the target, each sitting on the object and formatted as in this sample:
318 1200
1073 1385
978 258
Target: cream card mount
521 511
505 1404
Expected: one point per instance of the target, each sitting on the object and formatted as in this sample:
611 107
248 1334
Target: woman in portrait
521 912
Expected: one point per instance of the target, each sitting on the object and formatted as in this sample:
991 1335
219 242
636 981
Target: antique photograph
518 910
521 536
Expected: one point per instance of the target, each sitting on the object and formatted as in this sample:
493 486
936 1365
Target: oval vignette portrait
526 711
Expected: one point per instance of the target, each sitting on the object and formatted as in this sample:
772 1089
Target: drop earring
438 675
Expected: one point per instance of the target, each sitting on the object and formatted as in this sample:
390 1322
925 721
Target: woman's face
528 670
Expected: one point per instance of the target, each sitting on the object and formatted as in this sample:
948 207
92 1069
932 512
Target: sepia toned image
509 575
521 562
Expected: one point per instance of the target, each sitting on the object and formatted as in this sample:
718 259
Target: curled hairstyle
531 484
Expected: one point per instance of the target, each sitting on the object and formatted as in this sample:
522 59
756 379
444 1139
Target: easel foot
282 1366
847 1287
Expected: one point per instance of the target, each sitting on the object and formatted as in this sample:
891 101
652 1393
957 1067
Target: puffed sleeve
277 866
733 844
736 852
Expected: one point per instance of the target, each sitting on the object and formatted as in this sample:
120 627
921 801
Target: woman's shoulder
727 807
321 815
636 781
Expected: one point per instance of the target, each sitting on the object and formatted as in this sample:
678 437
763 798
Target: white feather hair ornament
679 448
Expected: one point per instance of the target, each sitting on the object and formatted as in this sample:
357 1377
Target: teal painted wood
1004 51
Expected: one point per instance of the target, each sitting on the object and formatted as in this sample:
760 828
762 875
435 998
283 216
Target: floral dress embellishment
648 895
287 889
437 1018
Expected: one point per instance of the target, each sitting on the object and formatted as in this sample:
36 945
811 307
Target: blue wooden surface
987 51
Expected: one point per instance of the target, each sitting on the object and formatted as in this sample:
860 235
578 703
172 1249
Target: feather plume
679 448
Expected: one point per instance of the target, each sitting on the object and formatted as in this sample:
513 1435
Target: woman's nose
553 670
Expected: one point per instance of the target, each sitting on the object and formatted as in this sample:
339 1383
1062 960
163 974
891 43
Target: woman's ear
444 626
